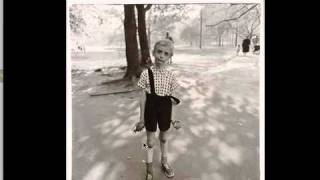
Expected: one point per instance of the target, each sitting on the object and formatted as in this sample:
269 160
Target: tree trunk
219 40
250 35
149 36
143 39
231 40
236 41
130 31
149 29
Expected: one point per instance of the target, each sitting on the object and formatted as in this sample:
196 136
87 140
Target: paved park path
220 135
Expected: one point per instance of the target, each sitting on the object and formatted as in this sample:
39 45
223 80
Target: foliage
191 32
162 18
97 24
76 21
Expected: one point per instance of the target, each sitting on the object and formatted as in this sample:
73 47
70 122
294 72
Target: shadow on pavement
219 139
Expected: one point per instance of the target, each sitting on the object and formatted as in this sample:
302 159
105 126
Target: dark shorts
157 111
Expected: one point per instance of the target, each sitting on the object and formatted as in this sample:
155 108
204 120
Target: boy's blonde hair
166 43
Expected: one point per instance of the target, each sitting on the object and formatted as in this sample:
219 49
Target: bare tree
252 22
221 29
234 18
242 21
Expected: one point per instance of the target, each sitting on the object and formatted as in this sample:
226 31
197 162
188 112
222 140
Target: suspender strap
151 81
175 99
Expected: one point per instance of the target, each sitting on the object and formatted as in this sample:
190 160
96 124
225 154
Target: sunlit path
219 139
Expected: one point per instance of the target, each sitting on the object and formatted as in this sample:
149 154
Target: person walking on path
159 85
245 46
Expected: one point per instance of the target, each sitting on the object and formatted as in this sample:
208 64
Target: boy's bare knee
150 142
163 138
150 139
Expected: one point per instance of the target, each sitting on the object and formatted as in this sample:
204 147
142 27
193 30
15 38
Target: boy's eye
167 54
159 51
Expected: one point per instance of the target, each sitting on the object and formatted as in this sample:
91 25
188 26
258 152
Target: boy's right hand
139 126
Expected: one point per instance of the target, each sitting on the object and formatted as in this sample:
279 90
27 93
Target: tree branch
255 26
252 26
239 10
241 36
247 28
232 19
147 7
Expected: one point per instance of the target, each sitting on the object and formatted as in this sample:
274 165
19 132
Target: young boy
156 104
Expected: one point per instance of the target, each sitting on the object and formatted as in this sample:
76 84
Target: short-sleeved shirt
164 81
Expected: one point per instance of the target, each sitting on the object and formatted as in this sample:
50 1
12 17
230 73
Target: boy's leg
150 144
164 149
163 144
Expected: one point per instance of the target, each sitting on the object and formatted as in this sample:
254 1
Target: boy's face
162 54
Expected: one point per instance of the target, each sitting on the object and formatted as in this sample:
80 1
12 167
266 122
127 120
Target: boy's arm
175 87
176 122
140 125
142 85
173 112
142 104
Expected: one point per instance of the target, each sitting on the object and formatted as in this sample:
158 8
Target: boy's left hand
177 124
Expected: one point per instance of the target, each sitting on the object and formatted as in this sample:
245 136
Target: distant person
245 46
171 39
256 45
158 85
238 49
256 48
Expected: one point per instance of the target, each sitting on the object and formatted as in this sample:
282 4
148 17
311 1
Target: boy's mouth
160 61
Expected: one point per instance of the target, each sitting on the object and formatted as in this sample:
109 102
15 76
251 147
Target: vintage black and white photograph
165 91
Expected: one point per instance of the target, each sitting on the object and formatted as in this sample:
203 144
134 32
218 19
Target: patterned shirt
164 81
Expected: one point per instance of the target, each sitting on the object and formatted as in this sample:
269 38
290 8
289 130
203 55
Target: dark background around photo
35 93
34 90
